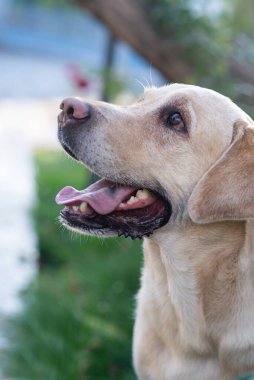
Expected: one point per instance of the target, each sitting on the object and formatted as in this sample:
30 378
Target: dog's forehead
190 92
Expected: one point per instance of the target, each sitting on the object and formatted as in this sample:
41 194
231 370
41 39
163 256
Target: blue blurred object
69 34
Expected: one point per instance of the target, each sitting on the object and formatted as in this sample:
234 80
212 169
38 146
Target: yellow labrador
178 169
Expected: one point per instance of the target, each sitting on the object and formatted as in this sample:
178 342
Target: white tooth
75 208
143 194
84 207
131 200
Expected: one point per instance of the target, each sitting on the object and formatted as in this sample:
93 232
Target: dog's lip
107 212
134 223
105 196
69 151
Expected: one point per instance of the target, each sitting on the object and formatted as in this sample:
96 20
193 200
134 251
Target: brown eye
175 121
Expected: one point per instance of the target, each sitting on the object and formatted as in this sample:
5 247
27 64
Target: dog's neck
196 268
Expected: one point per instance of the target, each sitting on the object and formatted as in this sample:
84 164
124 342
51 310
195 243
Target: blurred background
67 302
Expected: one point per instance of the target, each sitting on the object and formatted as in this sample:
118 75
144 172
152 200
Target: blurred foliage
246 377
240 17
77 322
238 22
198 36
210 35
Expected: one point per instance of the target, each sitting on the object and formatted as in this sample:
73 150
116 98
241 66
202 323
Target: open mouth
106 208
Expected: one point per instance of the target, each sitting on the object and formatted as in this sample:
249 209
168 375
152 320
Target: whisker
147 82
141 84
151 79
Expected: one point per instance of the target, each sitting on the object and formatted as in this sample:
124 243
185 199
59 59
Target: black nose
75 108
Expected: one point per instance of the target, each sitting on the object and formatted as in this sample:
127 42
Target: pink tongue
103 196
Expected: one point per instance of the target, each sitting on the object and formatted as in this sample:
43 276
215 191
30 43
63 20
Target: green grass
78 317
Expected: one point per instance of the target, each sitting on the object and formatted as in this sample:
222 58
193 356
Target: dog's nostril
75 108
70 111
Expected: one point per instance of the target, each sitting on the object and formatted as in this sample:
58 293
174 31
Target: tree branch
129 22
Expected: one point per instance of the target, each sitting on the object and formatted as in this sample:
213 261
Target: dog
178 170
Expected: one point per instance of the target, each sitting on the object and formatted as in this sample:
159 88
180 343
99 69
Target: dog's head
179 151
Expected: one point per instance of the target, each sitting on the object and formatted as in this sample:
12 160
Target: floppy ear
226 191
